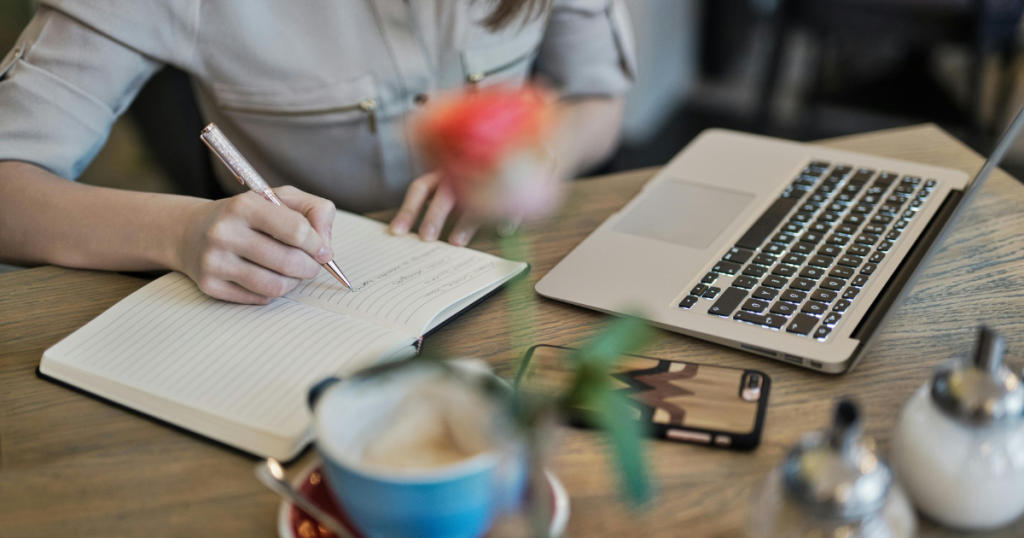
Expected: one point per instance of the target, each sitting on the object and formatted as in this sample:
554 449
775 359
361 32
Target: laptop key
764 259
841 305
837 207
767 321
877 257
930 184
745 282
793 296
773 248
834 284
765 293
850 293
915 203
884 246
727 302
802 284
821 261
846 229
688 301
904 189
728 268
802 217
849 260
829 216
819 227
766 223
775 282
754 305
858 250
854 219
802 248
889 209
841 272
831 319
825 296
886 178
908 214
793 194
859 281
784 270
699 290
838 240
882 219
862 209
811 237
900 224
876 229
812 272
821 332
783 308
783 238
814 307
794 259
830 250
809 207
709 278
868 269
870 198
711 292
846 197
775 322
756 271
802 324
738 255
867 239
793 227
893 235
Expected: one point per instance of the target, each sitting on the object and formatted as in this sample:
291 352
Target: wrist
178 235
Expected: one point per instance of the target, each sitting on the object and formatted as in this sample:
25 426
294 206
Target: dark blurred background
799 69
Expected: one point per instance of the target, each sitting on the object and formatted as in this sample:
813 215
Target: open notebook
239 374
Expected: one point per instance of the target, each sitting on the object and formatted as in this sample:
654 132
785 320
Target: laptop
786 250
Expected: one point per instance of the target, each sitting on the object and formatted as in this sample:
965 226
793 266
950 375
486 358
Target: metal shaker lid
836 474
982 390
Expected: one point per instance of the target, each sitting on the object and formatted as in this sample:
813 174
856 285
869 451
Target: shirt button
420 99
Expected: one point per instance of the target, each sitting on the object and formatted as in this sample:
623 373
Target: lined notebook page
401 282
248 364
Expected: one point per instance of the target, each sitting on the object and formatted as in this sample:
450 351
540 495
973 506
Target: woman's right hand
245 249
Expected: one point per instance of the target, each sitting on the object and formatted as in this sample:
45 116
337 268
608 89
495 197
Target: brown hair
507 11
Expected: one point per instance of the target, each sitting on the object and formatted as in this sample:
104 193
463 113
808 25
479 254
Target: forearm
589 132
48 220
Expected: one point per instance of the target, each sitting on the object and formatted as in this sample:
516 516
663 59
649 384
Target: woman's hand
245 249
427 191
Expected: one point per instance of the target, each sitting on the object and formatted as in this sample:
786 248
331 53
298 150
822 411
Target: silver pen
247 175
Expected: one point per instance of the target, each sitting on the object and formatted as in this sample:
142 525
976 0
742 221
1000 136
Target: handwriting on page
252 364
403 282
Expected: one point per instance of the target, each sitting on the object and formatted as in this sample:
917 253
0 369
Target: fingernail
324 255
330 236
429 232
460 239
399 228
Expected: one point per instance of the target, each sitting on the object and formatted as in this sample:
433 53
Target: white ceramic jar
958 447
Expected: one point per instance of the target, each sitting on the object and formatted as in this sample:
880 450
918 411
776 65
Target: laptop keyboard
802 264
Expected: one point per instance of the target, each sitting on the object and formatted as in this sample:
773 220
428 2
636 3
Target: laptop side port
793 359
815 364
759 350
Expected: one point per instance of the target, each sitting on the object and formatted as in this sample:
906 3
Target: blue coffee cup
457 500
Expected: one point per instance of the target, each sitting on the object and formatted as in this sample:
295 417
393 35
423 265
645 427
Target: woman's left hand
428 195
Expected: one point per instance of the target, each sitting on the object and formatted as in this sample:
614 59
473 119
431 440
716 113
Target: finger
229 291
267 252
287 226
415 198
440 206
318 211
258 280
464 230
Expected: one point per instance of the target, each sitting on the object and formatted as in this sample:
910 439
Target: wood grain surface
72 465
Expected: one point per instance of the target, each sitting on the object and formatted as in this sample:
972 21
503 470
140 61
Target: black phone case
648 386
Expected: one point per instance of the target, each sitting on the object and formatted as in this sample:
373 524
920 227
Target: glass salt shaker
832 484
959 443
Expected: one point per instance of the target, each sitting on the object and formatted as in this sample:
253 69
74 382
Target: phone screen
683 401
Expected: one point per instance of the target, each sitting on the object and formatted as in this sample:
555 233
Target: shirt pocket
508 61
352 102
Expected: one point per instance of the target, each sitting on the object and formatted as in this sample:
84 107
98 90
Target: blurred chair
985 26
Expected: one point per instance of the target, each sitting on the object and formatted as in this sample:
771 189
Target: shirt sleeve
588 48
61 88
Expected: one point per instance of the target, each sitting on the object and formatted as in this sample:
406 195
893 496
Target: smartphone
681 401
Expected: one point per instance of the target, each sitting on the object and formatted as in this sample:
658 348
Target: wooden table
70 464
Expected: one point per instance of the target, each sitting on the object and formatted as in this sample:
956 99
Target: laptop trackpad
685 214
